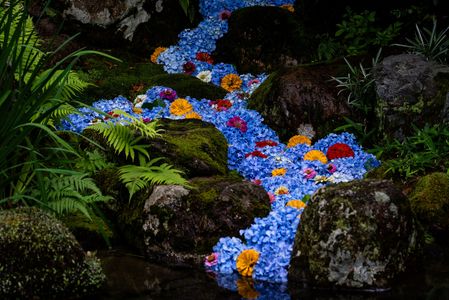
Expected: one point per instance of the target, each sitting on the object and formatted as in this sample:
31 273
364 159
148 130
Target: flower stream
289 173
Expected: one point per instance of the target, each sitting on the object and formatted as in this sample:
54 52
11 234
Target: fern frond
136 178
91 162
121 139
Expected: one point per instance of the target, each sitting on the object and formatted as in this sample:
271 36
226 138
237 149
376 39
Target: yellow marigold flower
180 107
156 53
296 204
298 139
137 110
278 172
288 7
282 190
246 261
231 82
193 115
245 288
316 155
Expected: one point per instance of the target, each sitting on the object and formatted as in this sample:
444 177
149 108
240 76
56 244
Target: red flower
189 67
265 143
225 14
221 104
204 56
256 153
257 181
339 150
237 122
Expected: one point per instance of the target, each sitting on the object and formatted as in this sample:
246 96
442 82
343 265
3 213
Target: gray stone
358 235
410 90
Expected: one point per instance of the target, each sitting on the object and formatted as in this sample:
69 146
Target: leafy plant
36 165
431 43
358 84
188 9
125 138
426 150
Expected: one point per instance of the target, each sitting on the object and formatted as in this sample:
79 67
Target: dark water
131 277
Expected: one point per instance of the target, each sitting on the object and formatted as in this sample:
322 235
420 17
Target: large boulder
39 257
430 202
357 235
198 148
141 24
262 39
178 225
300 95
411 90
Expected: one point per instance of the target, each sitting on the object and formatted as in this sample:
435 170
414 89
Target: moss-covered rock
301 95
358 235
194 146
430 202
177 225
262 39
92 233
39 257
111 79
186 85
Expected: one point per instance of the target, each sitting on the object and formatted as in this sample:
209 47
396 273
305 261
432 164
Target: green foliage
356 34
136 178
188 9
358 84
126 138
36 165
431 43
427 150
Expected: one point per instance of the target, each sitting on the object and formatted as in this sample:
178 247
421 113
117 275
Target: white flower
140 99
338 177
205 76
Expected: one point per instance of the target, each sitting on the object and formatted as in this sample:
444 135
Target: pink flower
237 122
309 173
168 94
253 81
331 168
211 260
146 120
256 181
272 197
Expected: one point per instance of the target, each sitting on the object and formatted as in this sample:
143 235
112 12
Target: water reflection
131 277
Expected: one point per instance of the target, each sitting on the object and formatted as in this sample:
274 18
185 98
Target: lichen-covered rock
140 24
39 257
193 146
411 90
300 95
262 39
357 235
430 202
178 225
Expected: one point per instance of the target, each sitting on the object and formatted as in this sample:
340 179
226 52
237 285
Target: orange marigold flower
278 172
156 53
137 110
296 204
245 288
298 139
193 115
180 107
288 7
246 261
231 82
316 155
282 190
